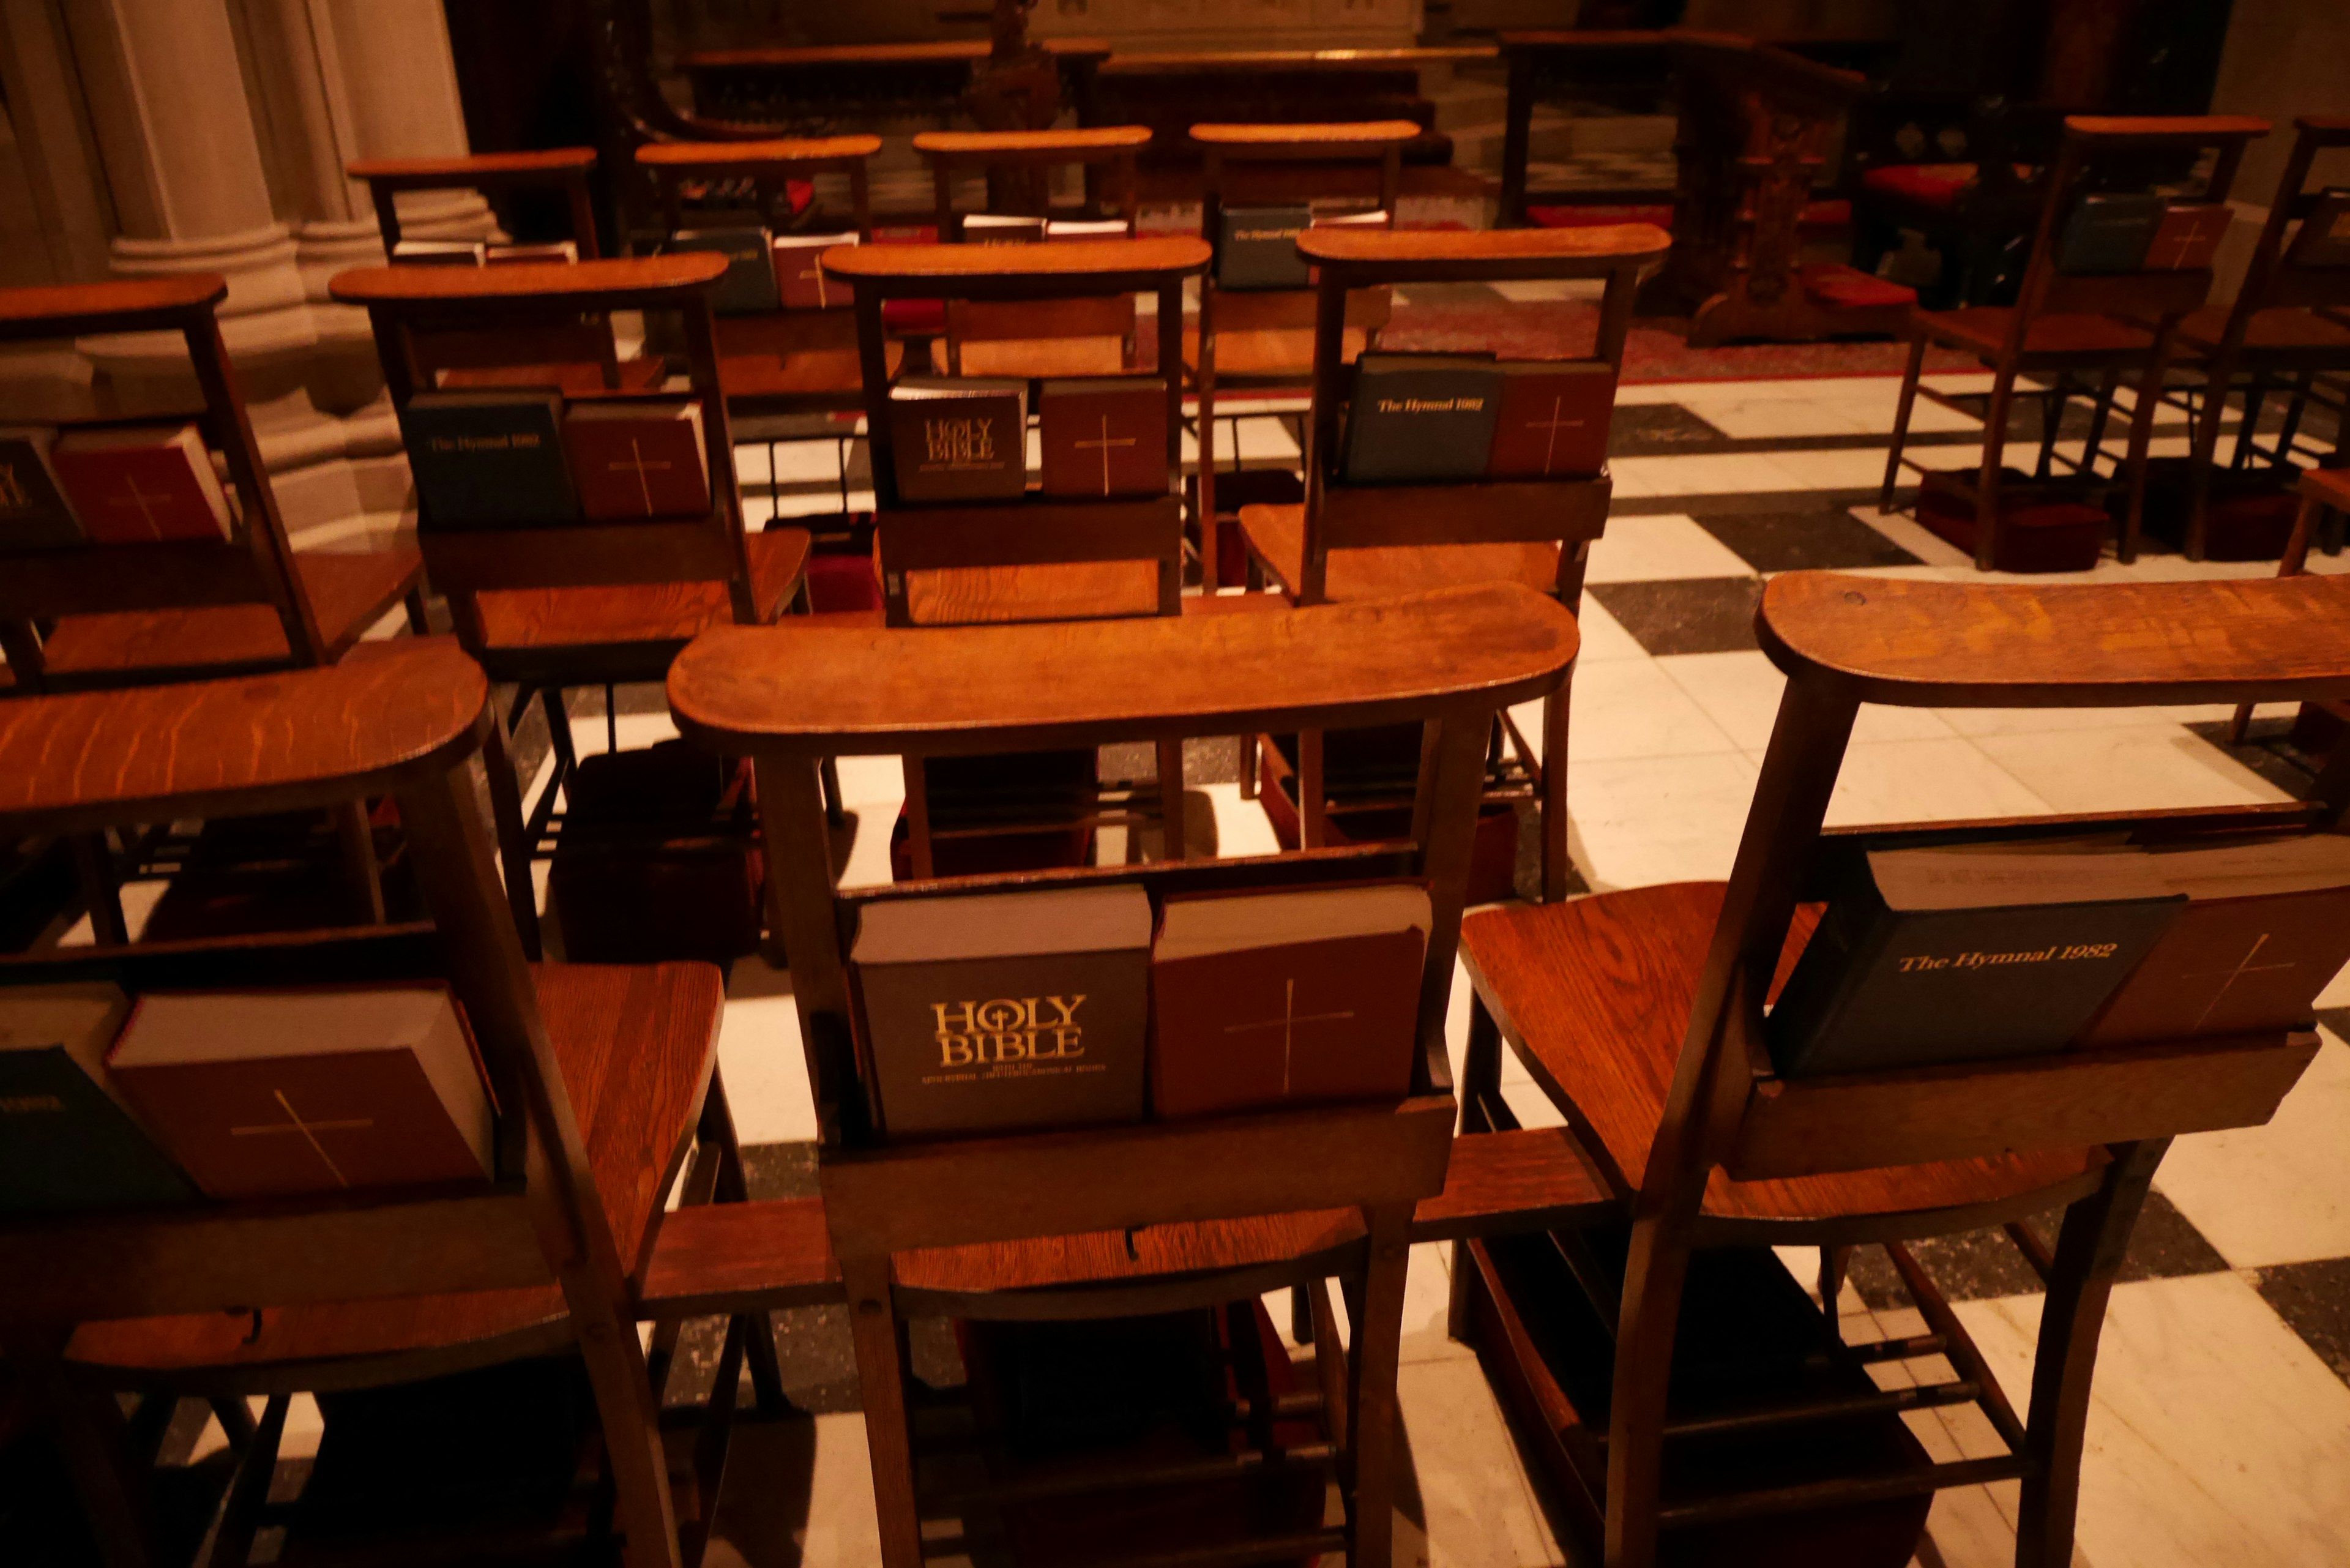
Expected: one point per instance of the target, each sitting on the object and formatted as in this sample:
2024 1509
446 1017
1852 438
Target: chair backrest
564 169
2273 281
768 167
2098 153
402 302
1337 146
792 698
1572 511
1034 531
405 725
256 567
1846 641
1104 150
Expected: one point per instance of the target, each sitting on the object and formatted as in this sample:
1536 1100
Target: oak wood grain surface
57 302
1277 534
1922 644
1627 240
879 54
359 727
609 281
744 689
1371 133
980 143
1172 255
474 163
641 612
780 150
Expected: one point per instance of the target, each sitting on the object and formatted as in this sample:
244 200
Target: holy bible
2266 926
136 484
489 459
2109 234
66 1140
799 272
440 252
1421 417
34 515
286 1092
1305 997
1963 952
1005 1011
959 438
1104 436
1001 229
1553 420
634 458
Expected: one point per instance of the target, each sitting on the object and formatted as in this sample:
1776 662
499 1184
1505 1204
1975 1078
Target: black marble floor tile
2314 1299
1659 430
2268 750
1685 615
1827 539
1977 1265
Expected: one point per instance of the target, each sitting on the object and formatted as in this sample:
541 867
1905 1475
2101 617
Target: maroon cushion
1834 213
2034 535
842 583
1835 287
1599 217
915 317
799 194
1927 184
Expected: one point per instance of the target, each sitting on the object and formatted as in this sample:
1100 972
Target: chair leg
98 1465
881 1381
1994 451
419 623
230 1544
1170 798
1901 420
1556 861
1248 765
514 840
100 893
2149 396
1376 1343
2089 1252
363 878
1650 1312
2100 414
1313 821
2052 419
836 810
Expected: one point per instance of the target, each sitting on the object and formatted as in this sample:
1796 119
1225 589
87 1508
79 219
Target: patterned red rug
1657 350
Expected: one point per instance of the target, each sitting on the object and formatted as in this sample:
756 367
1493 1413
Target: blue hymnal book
2109 234
748 286
489 459
65 1142
1421 417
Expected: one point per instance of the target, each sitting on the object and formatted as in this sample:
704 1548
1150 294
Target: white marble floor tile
1604 636
826 1521
1924 781
1755 415
1264 440
2215 1438
1915 537
1659 819
2039 721
1740 692
1241 826
819 504
2279 1193
1631 708
761 1058
1647 549
2136 767
1528 1104
1706 474
1479 1510
1427 1298
1848 468
1543 290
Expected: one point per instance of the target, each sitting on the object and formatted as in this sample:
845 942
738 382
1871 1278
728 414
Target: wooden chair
1968 174
98 615
1148 1217
2064 325
578 354
1262 341
1647 1032
600 1074
588 603
1034 559
791 361
1350 543
2288 326
1092 337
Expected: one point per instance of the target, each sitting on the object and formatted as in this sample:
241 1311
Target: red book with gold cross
280 1093
2189 236
1104 436
1553 419
1262 1001
140 484
635 458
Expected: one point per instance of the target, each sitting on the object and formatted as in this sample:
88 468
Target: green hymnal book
748 286
2110 233
1258 247
34 513
1966 952
1421 417
489 459
66 1141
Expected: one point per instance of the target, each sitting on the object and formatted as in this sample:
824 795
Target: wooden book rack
564 169
1649 1033
948 1227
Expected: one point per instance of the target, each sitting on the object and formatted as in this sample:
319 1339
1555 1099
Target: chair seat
2272 331
648 615
1982 329
1283 351
1599 992
1040 356
1277 535
1119 1257
349 592
636 1044
793 352
1068 590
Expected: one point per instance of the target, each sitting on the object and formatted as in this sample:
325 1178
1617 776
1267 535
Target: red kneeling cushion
1834 287
2035 535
